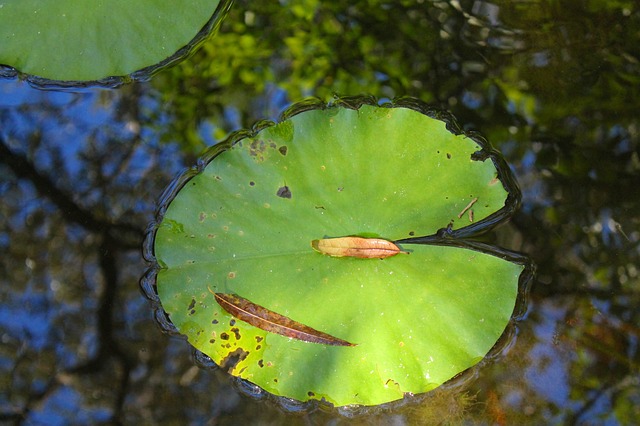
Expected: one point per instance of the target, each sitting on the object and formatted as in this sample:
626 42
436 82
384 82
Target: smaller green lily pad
244 226
72 40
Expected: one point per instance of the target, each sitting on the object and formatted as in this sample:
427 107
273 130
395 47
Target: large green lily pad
244 225
66 40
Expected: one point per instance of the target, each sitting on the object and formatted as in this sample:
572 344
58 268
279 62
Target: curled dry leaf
273 322
365 248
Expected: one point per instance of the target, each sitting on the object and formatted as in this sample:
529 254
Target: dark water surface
553 85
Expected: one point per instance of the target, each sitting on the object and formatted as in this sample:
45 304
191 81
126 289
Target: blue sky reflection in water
554 89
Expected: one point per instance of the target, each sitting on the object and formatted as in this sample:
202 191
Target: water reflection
555 88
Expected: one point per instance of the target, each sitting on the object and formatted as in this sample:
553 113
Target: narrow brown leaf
273 322
471 203
365 248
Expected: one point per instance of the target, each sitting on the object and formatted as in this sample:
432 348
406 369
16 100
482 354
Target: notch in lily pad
371 182
71 43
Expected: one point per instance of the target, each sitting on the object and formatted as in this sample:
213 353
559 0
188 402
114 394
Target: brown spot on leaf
391 382
261 363
448 156
215 321
232 322
284 192
259 339
311 394
258 347
231 275
192 304
283 150
411 233
224 336
236 331
202 216
256 149
252 183
232 359
257 144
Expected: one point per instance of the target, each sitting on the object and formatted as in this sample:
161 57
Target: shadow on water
554 89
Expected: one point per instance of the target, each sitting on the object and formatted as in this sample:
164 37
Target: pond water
554 87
